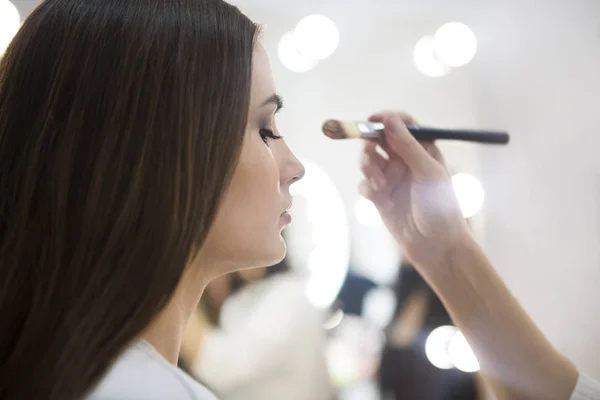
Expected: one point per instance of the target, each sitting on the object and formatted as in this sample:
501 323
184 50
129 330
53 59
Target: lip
286 218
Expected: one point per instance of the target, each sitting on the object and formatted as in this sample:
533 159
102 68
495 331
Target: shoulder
141 374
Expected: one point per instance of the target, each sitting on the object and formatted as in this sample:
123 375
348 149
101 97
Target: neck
165 333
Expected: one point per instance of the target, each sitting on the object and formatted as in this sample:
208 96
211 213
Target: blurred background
529 67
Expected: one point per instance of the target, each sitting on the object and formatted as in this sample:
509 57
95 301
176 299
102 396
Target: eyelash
267 134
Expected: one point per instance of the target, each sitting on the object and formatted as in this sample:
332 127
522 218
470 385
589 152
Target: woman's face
247 229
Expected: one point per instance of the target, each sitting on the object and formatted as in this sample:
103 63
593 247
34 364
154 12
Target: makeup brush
336 129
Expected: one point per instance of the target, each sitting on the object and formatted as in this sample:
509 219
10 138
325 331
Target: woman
139 158
258 337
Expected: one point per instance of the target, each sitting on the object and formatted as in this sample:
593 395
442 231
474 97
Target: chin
266 253
273 252
278 252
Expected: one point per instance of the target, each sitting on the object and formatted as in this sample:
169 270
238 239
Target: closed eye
267 134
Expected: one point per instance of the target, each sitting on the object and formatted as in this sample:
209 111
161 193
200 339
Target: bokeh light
366 213
469 192
334 320
455 44
461 354
321 245
316 37
436 346
10 21
426 61
290 57
379 305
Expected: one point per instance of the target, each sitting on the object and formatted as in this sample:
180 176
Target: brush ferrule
369 127
370 130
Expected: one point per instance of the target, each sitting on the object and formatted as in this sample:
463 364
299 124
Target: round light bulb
461 354
334 320
426 61
366 213
316 37
455 44
10 21
436 346
379 305
320 246
290 57
469 192
341 362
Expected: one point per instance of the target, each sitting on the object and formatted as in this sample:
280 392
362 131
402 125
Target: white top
270 345
586 389
277 356
141 373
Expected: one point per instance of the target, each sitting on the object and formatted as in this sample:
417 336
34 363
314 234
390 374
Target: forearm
513 353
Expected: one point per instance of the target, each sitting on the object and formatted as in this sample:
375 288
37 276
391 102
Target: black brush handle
423 133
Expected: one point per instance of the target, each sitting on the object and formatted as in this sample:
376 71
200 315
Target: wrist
444 259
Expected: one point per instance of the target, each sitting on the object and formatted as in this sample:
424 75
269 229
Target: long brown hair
120 125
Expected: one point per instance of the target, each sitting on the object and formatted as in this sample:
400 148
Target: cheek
248 217
255 185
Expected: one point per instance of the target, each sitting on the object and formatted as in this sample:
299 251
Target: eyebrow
276 100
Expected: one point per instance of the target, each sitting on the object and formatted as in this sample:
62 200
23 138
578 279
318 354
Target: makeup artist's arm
414 195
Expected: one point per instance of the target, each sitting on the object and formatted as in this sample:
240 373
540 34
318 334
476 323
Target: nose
293 170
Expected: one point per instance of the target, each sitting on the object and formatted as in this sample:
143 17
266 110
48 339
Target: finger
403 144
394 170
371 150
373 167
373 173
395 173
434 152
382 115
381 201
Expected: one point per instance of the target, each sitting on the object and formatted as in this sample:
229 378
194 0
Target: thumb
420 163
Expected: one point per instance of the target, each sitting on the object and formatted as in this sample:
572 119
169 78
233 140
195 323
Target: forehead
263 84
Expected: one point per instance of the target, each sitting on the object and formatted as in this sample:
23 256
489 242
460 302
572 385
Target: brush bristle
340 130
333 129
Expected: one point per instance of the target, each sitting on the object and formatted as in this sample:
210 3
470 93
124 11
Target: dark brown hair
120 125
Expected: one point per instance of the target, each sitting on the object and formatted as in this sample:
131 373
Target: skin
247 229
414 195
